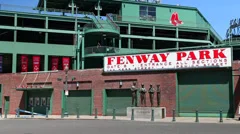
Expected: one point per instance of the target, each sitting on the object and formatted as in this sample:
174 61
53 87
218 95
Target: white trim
40 72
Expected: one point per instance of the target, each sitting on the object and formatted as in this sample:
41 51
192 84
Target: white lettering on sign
220 57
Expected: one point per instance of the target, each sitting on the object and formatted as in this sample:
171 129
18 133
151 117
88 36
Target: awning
33 89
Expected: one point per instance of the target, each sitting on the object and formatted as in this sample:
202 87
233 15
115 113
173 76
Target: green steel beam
98 8
14 62
165 39
36 48
15 24
46 34
208 35
177 36
78 47
129 33
120 43
82 57
159 26
45 6
38 30
154 42
114 42
42 16
45 62
72 2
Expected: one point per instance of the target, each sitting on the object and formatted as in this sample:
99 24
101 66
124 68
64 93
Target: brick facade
97 81
91 79
236 79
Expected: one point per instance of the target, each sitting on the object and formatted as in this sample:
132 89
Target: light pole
66 69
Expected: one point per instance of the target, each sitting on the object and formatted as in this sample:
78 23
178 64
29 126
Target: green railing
38 10
146 1
114 25
101 49
150 19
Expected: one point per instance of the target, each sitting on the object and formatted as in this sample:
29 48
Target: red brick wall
236 76
94 79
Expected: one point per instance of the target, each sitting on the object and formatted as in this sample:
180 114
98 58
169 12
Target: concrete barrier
145 112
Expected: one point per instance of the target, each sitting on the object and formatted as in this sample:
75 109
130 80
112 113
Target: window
147 13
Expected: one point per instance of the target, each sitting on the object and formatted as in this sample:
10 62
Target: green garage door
207 91
118 99
81 99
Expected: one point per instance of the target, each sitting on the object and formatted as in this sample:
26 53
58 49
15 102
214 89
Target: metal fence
101 49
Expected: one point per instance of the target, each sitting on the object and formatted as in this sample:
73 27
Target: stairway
107 23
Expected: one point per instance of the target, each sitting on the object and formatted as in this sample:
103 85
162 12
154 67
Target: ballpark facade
108 45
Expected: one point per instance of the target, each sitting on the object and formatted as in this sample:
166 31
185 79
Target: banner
24 63
36 63
1 63
219 57
55 63
65 62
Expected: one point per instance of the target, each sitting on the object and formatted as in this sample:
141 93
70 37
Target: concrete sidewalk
125 118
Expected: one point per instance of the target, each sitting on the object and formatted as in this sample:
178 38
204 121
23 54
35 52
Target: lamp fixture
77 84
120 83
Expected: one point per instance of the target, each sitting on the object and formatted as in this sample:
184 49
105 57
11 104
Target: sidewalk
125 118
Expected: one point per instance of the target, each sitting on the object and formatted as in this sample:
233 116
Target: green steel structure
87 30
75 28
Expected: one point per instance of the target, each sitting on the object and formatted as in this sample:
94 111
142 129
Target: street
111 127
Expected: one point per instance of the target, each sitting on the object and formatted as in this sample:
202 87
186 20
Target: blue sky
217 12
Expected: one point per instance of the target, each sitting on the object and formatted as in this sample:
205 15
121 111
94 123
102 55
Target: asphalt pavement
25 126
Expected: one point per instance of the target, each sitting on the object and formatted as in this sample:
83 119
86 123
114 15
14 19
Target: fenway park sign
220 57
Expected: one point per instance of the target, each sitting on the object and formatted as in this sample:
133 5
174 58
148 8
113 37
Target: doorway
6 104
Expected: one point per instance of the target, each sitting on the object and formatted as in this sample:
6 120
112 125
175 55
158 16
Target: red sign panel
24 63
220 57
65 62
36 63
55 61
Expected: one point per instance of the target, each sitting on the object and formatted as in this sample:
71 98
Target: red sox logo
36 68
175 20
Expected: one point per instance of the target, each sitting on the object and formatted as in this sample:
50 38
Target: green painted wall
190 17
187 16
200 21
130 12
35 48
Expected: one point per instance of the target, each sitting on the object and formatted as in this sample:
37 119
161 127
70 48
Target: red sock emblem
175 19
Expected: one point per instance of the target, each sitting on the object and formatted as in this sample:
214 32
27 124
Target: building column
208 35
98 9
154 41
129 32
45 62
15 25
73 7
46 34
120 42
113 41
83 45
14 63
78 47
177 36
45 6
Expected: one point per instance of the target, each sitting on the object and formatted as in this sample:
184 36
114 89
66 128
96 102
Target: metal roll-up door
81 99
118 99
205 91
